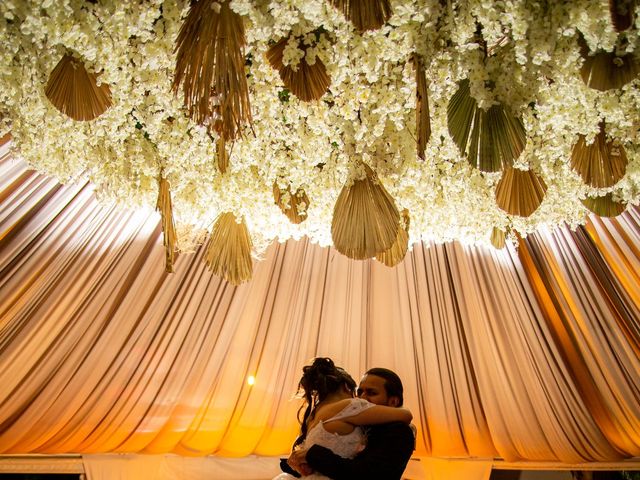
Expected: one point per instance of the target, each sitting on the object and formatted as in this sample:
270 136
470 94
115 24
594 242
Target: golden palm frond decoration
210 66
229 251
520 192
622 14
498 238
164 206
423 122
365 218
307 82
602 163
222 156
75 92
293 205
606 70
490 139
365 14
604 206
398 250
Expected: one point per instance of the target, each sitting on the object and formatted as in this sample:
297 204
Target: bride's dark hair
320 379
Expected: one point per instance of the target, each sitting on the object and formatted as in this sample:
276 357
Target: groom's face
372 389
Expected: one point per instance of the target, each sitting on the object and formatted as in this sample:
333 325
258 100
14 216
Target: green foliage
283 95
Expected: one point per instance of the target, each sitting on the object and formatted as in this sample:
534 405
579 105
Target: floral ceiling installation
524 56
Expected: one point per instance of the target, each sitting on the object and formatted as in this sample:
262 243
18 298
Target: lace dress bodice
347 446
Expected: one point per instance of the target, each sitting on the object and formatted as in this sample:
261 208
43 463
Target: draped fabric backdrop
525 354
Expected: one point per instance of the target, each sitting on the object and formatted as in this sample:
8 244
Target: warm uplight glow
251 380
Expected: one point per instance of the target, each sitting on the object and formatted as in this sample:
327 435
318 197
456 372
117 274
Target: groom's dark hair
392 382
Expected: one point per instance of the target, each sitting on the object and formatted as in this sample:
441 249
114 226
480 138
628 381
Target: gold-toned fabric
527 354
437 469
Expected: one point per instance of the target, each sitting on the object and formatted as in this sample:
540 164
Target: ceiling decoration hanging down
75 92
233 99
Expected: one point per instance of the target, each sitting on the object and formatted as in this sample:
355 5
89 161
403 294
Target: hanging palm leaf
307 82
423 123
229 250
221 155
5 138
622 14
210 66
520 192
165 208
604 206
75 92
498 238
293 205
365 218
365 14
606 70
602 163
490 139
398 250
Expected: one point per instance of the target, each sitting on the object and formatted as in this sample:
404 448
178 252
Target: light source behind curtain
522 354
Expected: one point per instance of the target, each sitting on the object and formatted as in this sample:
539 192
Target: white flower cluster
522 54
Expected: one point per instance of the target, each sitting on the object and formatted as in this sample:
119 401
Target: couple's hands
298 461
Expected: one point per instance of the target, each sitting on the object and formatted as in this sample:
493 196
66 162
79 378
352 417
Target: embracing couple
347 438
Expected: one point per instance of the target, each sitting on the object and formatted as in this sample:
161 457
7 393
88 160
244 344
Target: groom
389 446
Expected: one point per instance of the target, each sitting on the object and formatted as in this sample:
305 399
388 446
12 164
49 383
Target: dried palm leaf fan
423 123
229 250
520 192
489 139
600 164
606 70
498 238
165 208
293 205
307 82
604 206
75 92
365 218
398 250
210 66
365 14
622 14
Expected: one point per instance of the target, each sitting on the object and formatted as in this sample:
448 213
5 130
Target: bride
333 418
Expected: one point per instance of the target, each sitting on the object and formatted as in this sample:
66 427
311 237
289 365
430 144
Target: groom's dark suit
389 447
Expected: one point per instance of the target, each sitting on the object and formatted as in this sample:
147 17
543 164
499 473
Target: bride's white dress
347 446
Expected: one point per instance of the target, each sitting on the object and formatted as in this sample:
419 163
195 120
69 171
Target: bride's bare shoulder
331 409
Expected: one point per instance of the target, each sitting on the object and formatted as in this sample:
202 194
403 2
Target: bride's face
372 389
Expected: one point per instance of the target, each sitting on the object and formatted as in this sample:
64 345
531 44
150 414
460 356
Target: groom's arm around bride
389 446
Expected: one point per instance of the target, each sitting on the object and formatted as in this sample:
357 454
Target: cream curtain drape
526 354
168 467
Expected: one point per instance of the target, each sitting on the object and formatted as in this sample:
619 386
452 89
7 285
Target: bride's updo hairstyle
319 380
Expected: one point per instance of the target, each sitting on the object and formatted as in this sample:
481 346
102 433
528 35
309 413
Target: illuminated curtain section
594 318
527 355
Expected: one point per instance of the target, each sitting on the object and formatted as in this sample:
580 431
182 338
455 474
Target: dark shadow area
505 475
583 475
607 475
39 476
